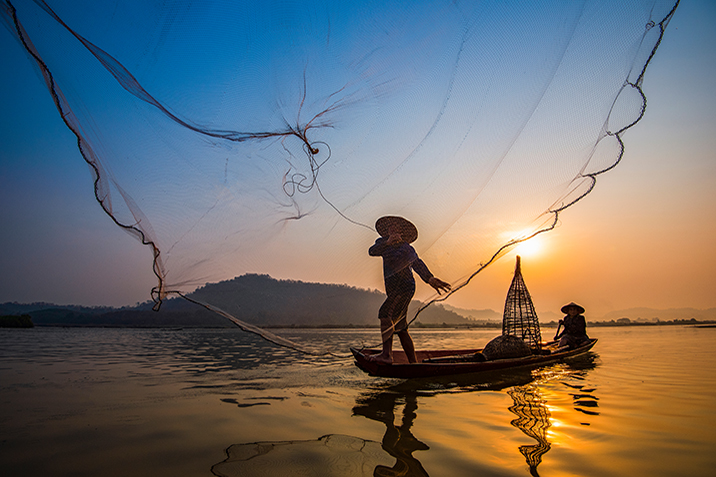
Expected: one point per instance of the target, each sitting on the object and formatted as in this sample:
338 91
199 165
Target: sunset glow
530 248
650 220
445 238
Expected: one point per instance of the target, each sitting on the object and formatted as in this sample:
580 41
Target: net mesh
234 137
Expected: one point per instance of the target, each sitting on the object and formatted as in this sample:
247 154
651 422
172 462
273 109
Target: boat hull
434 363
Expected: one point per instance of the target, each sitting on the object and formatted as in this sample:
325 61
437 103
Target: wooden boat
433 363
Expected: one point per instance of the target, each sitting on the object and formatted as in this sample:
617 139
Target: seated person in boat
575 327
399 261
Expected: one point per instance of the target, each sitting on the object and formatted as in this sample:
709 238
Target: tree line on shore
256 299
267 302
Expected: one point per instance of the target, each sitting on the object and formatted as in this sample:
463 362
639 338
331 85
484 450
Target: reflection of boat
433 363
533 413
519 320
395 404
383 404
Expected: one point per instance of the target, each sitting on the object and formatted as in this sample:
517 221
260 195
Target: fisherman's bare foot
380 359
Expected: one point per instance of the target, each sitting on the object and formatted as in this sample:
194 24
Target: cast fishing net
261 136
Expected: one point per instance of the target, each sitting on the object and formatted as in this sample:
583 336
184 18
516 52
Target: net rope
271 135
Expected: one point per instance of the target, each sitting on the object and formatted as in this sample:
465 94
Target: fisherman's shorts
394 309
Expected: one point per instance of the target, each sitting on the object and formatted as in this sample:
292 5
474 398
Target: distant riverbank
269 303
417 325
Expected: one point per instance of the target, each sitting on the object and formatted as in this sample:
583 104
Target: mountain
256 299
548 316
670 314
491 316
476 315
12 308
265 301
49 314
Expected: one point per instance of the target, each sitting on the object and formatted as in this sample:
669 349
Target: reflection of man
398 441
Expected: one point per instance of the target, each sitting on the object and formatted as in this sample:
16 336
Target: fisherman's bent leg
386 331
387 328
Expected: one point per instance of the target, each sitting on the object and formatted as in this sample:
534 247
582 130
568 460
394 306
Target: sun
530 248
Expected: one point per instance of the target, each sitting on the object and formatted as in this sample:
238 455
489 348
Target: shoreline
419 326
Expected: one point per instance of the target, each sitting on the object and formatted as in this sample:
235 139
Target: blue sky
643 238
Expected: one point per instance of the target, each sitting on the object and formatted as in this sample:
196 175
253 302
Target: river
203 402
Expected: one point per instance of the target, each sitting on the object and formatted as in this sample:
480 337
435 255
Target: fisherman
399 261
575 327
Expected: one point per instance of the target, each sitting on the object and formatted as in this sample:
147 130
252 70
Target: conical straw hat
406 227
579 307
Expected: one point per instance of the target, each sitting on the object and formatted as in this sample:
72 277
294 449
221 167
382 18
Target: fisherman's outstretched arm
422 270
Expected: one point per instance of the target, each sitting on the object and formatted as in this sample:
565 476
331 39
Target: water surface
79 401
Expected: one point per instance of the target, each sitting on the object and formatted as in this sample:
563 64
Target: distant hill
547 316
256 299
12 308
265 301
476 315
489 315
651 314
48 314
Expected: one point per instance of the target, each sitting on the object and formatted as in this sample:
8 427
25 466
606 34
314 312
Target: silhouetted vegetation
270 303
628 322
256 299
11 321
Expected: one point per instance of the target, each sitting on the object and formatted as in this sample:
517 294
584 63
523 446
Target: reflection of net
584 398
334 455
532 419
520 317
478 121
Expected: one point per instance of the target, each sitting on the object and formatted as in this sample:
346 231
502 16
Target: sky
642 238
